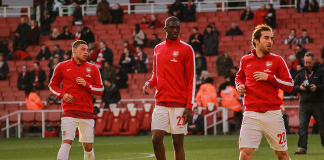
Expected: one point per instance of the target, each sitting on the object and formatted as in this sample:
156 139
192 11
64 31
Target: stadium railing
162 7
15 11
214 123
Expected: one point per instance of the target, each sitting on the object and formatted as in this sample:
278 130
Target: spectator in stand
232 75
4 68
78 33
57 50
109 72
33 102
126 61
196 40
314 6
224 63
140 61
235 30
304 37
154 41
5 50
201 63
93 52
309 83
55 9
67 56
56 61
190 12
44 53
130 46
154 23
210 41
33 33
293 61
229 100
227 81
196 122
55 34
117 14
25 80
247 14
21 55
202 79
50 63
300 52
66 34
176 9
87 35
19 42
139 36
77 14
144 23
111 94
302 6
122 78
292 38
23 27
259 17
103 12
107 53
271 16
45 6
45 21
39 76
207 94
212 25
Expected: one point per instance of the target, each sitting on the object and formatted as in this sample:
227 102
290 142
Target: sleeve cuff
62 95
271 78
189 105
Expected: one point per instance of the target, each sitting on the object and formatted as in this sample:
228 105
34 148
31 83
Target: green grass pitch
140 148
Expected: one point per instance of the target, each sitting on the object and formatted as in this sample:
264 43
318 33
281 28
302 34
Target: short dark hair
304 30
299 45
77 43
196 28
36 63
257 32
171 19
293 30
310 54
209 80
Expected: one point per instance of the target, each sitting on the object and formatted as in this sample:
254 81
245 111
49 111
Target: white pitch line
149 155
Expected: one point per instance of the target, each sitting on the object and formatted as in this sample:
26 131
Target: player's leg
68 127
304 118
86 137
157 140
160 124
275 133
177 140
250 134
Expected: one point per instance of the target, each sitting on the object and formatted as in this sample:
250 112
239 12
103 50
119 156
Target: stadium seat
53 118
28 118
133 124
114 125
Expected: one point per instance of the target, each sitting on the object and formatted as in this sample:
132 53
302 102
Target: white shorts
270 124
85 127
169 119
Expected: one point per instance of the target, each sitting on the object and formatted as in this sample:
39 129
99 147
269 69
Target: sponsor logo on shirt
174 60
88 75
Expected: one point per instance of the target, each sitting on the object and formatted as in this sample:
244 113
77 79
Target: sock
89 155
64 151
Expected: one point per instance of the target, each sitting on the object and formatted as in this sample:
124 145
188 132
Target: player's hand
241 89
186 115
313 87
81 81
302 88
260 76
146 88
68 98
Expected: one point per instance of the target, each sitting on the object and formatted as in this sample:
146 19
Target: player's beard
265 50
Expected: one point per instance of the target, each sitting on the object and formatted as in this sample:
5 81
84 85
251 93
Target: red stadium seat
132 126
28 118
114 124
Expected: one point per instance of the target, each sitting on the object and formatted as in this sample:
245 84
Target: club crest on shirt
175 53
88 70
268 64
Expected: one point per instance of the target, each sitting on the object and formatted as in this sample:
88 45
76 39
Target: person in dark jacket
19 42
103 12
271 17
309 83
247 14
190 12
38 76
111 94
87 35
140 61
66 34
4 68
201 63
176 9
44 53
33 33
107 53
77 14
154 41
117 14
196 122
122 78
196 40
126 61
23 27
235 30
210 41
224 63
25 80
45 21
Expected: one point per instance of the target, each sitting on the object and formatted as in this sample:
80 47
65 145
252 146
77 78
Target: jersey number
179 121
282 137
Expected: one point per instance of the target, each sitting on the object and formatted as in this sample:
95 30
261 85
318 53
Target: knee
246 154
157 139
87 147
282 155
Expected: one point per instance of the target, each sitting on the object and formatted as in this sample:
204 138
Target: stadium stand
111 122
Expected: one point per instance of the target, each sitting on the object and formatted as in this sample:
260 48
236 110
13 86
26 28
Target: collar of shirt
171 42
